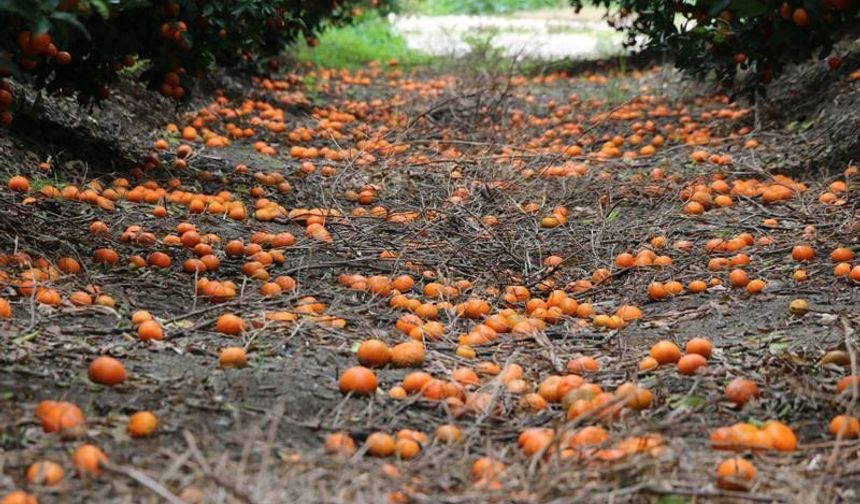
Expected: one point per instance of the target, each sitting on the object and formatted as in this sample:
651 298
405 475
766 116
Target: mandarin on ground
107 371
230 324
44 472
741 390
701 346
87 460
845 426
358 380
665 352
373 353
380 444
142 424
340 444
735 474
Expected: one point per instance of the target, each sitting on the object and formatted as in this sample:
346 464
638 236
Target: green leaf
672 499
101 7
678 402
71 19
41 25
613 215
757 423
354 347
21 8
777 348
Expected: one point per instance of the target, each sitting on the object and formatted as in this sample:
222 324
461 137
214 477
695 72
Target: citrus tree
721 37
78 47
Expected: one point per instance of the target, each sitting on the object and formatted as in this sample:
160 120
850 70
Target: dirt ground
474 146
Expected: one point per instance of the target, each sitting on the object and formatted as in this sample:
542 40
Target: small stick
144 481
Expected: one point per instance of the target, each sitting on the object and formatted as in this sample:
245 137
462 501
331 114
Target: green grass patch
356 45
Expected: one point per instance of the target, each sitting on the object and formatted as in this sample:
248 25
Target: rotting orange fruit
802 253
232 357
339 444
68 265
397 393
674 287
5 309
358 380
647 364
636 397
845 426
842 254
142 424
105 300
465 376
847 383
535 440
798 307
854 274
106 256
107 371
735 474
87 460
741 390
407 449
656 290
689 363
48 297
701 346
782 436
466 352
582 364
739 278
63 417
756 286
694 208
150 330
590 435
665 352
549 388
487 469
448 434
697 286
373 353
270 290
44 472
841 269
624 260
230 324
533 401
380 444
140 316
415 381
286 282
408 354
18 184
628 312
159 260
19 497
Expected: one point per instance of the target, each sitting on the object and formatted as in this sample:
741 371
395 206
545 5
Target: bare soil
255 435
